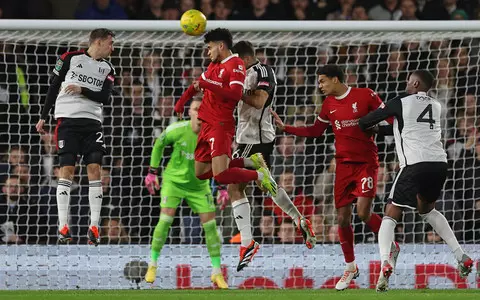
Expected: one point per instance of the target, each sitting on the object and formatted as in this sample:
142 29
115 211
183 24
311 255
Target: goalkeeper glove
151 181
222 197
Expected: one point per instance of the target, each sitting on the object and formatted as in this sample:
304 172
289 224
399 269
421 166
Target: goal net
153 69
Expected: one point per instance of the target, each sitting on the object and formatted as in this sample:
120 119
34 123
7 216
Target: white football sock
95 196
241 213
440 225
386 236
285 203
63 200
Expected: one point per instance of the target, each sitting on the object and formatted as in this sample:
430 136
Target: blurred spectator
439 10
286 232
387 10
186 5
206 6
222 9
344 12
284 157
152 10
258 11
113 232
171 11
164 114
319 227
18 218
323 189
130 7
409 10
267 228
359 13
396 78
301 10
459 14
150 66
443 91
432 238
103 10
48 153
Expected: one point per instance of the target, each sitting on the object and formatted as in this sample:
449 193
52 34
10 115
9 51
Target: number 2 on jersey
421 118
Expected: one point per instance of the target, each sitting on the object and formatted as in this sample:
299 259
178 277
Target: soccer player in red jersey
222 86
356 157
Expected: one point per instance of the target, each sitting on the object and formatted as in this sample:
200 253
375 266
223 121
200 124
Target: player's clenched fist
278 121
39 126
152 184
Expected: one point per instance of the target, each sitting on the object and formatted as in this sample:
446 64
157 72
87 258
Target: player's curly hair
219 35
332 71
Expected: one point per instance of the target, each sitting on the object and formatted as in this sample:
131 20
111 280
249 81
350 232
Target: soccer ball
193 22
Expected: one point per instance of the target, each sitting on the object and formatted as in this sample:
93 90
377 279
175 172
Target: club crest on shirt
58 65
354 106
221 73
61 143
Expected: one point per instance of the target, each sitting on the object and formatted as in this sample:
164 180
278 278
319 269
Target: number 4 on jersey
421 118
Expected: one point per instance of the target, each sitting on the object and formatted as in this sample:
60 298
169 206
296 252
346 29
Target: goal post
155 62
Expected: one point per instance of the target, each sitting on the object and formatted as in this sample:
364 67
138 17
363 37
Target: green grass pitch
240 295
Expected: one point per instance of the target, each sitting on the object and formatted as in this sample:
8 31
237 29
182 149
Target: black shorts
79 136
426 179
245 150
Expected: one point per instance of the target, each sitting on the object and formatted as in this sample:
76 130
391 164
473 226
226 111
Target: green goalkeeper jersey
181 167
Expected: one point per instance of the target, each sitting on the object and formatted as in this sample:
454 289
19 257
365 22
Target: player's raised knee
364 215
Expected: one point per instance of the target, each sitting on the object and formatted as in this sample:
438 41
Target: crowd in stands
242 9
149 80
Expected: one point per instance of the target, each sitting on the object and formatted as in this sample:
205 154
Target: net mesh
153 69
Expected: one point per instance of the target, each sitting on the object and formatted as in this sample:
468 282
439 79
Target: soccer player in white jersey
256 134
82 83
423 169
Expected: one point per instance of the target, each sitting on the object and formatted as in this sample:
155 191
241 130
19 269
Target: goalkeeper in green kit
179 182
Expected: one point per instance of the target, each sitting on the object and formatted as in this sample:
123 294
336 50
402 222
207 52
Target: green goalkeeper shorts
172 194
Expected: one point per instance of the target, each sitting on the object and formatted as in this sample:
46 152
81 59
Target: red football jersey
214 108
343 113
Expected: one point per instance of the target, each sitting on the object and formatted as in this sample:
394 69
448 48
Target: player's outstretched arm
231 92
391 109
314 130
187 95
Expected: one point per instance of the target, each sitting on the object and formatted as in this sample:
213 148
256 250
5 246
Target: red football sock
205 176
237 163
374 222
346 241
234 163
236 175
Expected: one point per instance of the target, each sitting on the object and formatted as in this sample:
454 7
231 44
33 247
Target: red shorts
214 141
353 180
